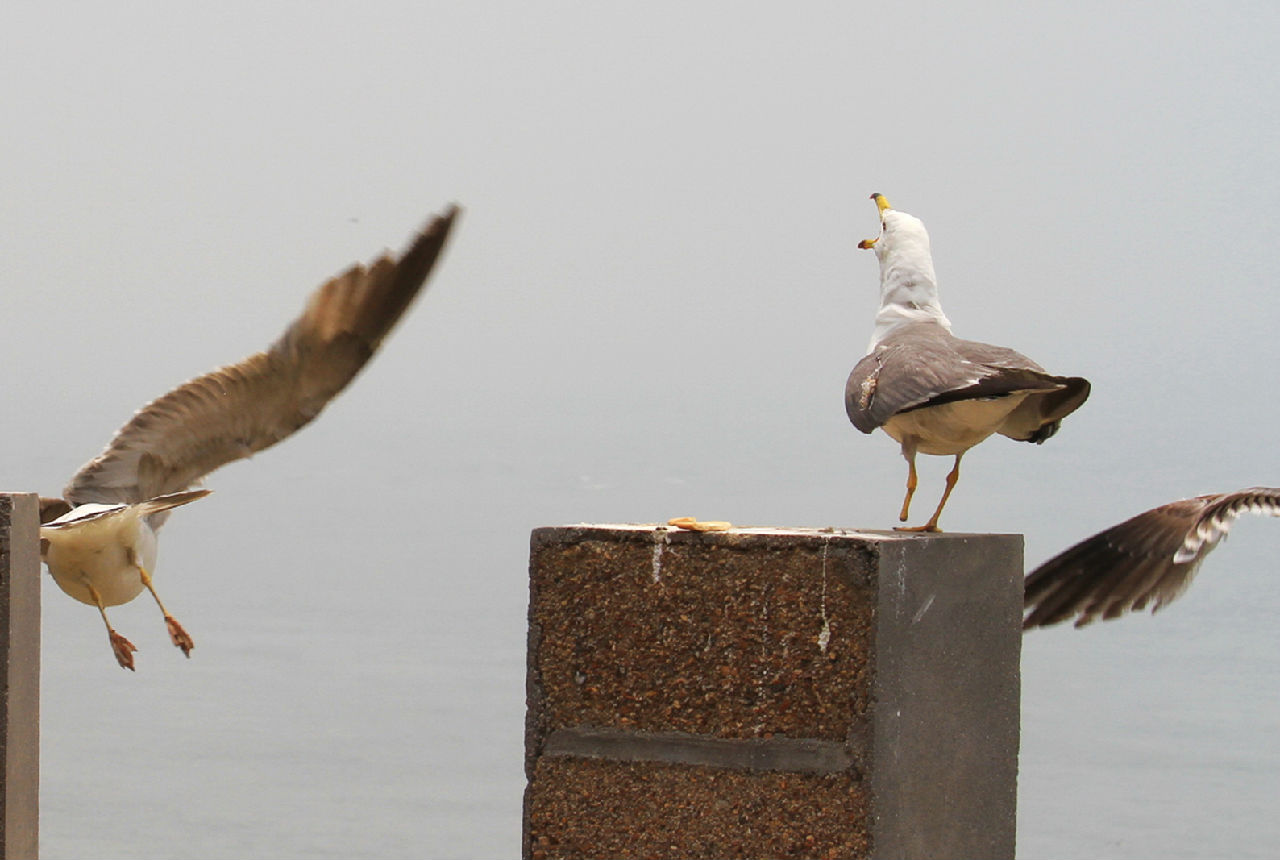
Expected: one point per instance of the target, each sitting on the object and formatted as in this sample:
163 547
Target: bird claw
179 636
123 649
927 527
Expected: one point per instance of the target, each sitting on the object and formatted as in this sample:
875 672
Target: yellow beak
881 204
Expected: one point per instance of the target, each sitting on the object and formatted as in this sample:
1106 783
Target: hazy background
648 310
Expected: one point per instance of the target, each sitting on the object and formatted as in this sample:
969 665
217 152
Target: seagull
1149 559
931 391
99 539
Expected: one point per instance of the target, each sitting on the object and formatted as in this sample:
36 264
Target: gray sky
648 310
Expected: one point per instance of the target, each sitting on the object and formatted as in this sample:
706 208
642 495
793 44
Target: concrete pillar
771 693
19 675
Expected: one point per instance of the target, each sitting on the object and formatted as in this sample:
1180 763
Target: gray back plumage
922 364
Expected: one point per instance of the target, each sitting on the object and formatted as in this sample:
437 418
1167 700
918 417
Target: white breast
951 428
101 550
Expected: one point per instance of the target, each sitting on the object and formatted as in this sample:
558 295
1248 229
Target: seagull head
902 246
901 235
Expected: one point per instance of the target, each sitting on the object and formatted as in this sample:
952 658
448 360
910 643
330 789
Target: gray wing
923 364
1041 412
1147 560
238 410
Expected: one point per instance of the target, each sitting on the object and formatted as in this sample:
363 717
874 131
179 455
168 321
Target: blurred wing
1149 559
238 410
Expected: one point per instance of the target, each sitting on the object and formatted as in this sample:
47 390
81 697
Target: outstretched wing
1149 559
238 410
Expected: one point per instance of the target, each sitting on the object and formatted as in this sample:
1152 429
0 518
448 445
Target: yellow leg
912 480
121 646
177 634
932 526
952 478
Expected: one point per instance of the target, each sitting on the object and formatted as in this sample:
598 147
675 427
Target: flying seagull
1149 559
931 391
99 540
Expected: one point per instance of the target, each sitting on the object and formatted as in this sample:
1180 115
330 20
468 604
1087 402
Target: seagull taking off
931 391
99 540
1149 559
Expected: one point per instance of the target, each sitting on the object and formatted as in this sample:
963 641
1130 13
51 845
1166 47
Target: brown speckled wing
238 410
1149 559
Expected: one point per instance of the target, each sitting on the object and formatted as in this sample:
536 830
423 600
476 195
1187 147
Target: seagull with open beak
930 391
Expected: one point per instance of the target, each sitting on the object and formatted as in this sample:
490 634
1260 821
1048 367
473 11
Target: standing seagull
100 543
1150 558
931 391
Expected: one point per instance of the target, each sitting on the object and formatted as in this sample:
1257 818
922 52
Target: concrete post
771 693
19 675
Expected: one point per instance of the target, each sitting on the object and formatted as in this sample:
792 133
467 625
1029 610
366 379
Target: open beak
881 204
